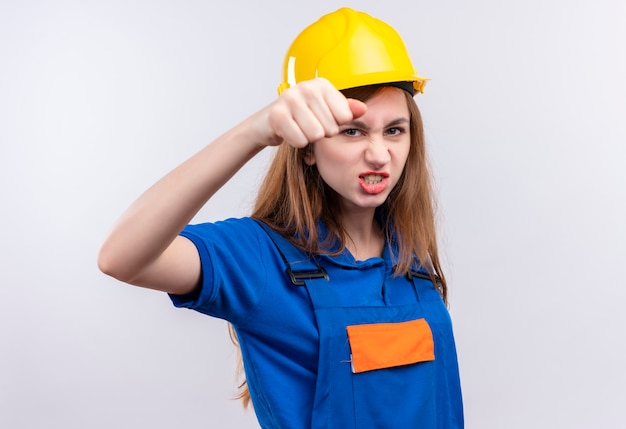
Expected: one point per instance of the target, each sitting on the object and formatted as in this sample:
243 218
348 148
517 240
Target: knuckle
332 130
297 139
316 133
322 81
277 115
307 88
343 115
289 97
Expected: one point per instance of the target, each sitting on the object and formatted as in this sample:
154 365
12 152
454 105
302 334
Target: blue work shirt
244 282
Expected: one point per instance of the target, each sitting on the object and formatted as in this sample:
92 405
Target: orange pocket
384 345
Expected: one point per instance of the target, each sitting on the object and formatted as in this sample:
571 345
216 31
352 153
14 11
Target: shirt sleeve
233 268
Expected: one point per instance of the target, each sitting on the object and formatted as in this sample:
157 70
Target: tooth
371 179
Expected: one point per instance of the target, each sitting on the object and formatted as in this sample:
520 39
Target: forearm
142 247
154 220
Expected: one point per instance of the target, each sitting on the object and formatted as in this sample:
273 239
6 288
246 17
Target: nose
377 153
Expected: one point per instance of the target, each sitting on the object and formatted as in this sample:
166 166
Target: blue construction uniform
301 366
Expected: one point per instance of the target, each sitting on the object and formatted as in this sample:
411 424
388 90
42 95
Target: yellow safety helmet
350 49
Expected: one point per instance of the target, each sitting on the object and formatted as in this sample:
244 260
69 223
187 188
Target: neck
365 239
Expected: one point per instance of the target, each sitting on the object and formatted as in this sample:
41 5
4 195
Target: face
365 160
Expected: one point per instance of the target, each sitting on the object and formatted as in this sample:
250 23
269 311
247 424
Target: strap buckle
419 275
298 277
425 276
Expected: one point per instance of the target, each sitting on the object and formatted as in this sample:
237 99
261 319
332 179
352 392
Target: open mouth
372 179
374 183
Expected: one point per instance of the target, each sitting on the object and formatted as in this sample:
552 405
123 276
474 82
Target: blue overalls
369 374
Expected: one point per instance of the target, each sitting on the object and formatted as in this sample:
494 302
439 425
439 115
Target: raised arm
144 247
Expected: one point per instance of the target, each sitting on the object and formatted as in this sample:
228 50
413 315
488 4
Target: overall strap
421 279
300 266
303 270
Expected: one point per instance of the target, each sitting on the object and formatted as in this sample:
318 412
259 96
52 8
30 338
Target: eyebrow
360 124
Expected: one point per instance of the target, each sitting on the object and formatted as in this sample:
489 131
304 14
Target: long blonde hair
293 198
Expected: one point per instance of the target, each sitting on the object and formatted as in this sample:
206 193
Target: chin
371 202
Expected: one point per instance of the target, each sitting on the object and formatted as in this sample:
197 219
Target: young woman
333 284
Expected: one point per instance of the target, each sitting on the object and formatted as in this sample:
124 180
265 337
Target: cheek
333 155
336 165
401 153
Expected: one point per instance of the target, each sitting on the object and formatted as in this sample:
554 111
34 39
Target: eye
351 132
395 131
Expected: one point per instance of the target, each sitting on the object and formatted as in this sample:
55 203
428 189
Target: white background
526 124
